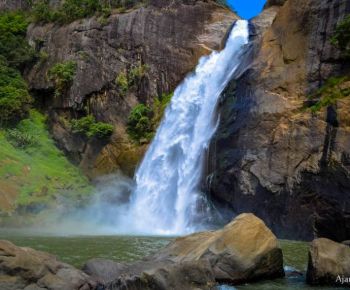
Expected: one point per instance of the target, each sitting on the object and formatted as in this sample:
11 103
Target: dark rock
329 264
25 268
271 3
273 157
244 250
13 4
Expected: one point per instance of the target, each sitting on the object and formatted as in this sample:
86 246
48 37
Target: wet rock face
244 250
272 157
25 268
328 264
163 38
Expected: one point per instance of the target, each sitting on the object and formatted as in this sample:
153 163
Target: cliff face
273 157
13 4
165 37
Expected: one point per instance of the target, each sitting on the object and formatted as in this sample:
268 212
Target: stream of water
167 197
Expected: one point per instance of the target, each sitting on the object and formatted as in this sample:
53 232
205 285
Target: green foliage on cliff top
144 120
70 10
334 89
14 97
90 128
14 49
62 74
39 172
14 52
341 37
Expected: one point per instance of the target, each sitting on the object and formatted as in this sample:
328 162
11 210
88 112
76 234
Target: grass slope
38 174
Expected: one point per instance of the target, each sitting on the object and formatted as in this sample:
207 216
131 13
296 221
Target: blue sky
247 8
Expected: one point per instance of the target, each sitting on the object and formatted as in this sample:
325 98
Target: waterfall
167 194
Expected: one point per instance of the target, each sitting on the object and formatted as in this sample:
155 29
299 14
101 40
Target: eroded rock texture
25 268
166 38
329 264
273 157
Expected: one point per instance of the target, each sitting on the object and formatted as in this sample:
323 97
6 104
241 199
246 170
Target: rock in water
25 268
244 250
329 263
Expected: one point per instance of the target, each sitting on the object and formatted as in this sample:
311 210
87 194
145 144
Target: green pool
76 250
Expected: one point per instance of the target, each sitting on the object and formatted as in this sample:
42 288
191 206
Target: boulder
329 263
25 268
244 250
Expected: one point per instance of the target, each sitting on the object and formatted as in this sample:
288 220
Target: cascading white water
167 181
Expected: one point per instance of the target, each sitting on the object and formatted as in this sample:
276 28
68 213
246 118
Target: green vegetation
90 128
70 10
159 106
14 49
143 120
14 97
122 82
334 89
62 74
341 37
137 73
125 81
32 165
14 53
139 125
19 138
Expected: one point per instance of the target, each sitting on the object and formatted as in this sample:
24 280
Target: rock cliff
164 38
271 155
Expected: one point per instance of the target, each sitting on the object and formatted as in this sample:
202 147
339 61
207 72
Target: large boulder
244 250
329 263
25 268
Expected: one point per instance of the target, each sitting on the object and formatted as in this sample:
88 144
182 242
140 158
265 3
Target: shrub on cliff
341 37
42 12
122 82
139 124
62 74
14 49
14 97
14 52
90 128
159 106
143 120
334 89
137 73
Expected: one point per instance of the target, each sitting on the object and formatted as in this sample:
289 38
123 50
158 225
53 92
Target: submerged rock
25 268
329 263
244 250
